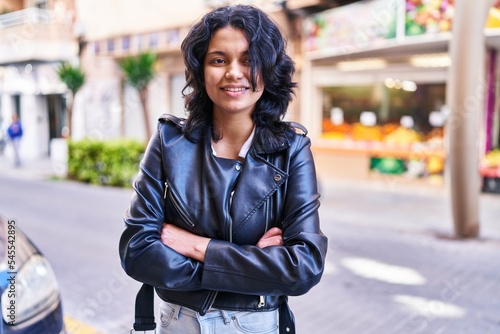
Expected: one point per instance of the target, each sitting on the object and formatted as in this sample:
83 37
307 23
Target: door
56 106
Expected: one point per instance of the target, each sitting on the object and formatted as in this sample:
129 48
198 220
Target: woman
224 221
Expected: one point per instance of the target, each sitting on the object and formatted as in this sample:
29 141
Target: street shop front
374 90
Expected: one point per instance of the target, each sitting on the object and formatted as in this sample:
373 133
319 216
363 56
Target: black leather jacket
182 182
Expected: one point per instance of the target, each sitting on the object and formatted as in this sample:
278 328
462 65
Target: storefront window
394 104
398 123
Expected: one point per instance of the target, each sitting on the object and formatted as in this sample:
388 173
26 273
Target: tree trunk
69 109
143 94
122 108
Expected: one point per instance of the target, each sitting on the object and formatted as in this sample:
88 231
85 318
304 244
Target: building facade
109 108
35 37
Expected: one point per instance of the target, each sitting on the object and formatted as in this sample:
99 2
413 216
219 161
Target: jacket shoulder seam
169 118
299 128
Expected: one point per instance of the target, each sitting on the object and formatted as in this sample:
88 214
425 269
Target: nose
234 71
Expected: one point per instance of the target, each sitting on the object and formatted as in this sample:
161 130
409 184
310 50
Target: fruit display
403 136
420 159
490 164
435 133
334 135
435 165
492 158
336 131
493 20
389 133
366 133
388 128
428 16
434 140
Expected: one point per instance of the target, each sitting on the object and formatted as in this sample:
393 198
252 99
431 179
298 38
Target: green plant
139 71
109 163
74 78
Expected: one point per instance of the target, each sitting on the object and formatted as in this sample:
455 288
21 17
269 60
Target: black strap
144 309
287 320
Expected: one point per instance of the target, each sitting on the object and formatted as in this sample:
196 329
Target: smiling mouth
234 89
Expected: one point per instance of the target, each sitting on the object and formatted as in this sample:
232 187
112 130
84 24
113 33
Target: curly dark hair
268 60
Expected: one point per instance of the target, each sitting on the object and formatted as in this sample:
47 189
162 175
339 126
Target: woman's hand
184 242
273 237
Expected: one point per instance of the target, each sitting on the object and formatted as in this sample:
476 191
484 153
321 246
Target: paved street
392 269
392 266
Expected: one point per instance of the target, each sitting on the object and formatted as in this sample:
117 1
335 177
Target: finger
277 241
272 232
274 241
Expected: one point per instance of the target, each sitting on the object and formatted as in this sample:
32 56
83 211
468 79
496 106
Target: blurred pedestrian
15 133
224 220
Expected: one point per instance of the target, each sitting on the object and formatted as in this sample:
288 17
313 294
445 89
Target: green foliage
72 76
109 163
140 70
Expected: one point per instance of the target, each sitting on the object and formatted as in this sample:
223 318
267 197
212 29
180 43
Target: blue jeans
16 142
175 319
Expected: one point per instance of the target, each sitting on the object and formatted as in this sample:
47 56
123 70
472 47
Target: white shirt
244 148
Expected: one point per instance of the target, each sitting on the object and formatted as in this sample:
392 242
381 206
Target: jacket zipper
213 294
178 207
262 299
229 204
262 302
230 220
267 214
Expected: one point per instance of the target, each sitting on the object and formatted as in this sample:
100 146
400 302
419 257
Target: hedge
109 163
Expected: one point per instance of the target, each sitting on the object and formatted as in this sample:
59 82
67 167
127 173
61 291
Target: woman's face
227 73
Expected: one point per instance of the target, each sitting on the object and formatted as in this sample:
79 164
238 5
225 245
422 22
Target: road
77 227
388 270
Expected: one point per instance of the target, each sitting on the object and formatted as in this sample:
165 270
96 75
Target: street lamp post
466 91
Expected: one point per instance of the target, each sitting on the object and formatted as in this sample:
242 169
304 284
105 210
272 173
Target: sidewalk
393 266
39 169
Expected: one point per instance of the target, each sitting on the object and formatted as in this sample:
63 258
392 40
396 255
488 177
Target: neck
235 132
236 128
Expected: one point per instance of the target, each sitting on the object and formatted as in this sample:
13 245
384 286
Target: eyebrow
216 52
222 53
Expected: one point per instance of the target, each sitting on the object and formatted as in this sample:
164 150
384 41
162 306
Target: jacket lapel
258 181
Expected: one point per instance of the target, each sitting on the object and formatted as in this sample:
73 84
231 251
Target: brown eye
217 61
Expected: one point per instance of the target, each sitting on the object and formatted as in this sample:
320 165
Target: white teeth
240 89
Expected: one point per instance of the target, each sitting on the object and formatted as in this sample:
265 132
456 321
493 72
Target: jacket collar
265 140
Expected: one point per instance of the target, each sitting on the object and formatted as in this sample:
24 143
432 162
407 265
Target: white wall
102 19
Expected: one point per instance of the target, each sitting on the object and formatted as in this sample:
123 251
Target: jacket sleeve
291 269
143 255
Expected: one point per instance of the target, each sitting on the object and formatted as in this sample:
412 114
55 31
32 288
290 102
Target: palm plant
74 78
138 72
